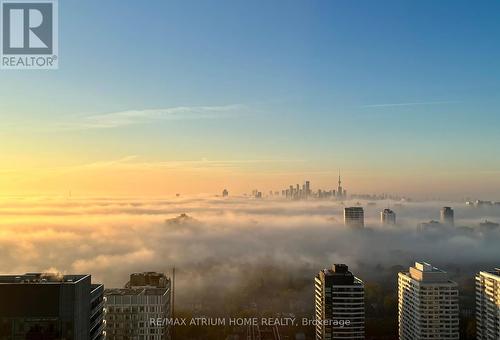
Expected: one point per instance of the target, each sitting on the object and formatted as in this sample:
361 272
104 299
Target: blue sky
362 85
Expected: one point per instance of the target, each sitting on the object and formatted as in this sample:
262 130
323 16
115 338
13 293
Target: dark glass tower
51 306
340 306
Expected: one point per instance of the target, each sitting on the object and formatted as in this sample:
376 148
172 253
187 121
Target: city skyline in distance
124 178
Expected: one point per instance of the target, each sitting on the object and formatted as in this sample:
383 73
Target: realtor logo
29 34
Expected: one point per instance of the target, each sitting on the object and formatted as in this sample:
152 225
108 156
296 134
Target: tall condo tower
488 305
340 307
387 217
51 306
354 217
447 216
428 304
130 309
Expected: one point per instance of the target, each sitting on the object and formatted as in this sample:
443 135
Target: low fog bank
233 250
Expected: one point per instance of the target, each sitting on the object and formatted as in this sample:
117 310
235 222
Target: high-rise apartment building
428 304
51 306
130 311
387 217
339 302
354 217
447 216
488 305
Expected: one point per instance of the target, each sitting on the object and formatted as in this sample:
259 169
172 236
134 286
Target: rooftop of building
426 273
339 274
353 208
487 223
42 278
432 222
427 267
135 291
148 279
494 272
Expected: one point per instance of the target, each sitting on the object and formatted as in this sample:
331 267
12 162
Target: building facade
488 305
387 217
339 304
51 306
427 304
430 227
447 216
354 217
130 310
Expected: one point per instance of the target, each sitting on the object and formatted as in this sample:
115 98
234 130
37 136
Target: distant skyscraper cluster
304 192
483 204
256 193
297 193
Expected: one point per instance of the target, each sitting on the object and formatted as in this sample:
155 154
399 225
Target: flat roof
42 278
494 273
135 291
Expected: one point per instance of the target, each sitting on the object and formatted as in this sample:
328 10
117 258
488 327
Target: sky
163 97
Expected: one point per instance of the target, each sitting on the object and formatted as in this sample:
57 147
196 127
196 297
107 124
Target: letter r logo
27 27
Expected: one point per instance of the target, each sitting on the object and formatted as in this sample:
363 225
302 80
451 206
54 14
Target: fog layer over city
222 246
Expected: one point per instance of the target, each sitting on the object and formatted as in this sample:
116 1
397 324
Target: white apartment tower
129 310
340 306
488 305
428 304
